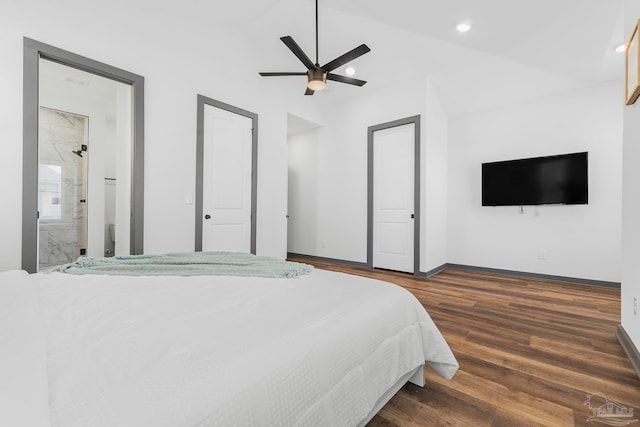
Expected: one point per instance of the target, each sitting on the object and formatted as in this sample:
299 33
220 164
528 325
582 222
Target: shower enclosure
62 187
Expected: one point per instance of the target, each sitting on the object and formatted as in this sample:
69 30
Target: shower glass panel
62 187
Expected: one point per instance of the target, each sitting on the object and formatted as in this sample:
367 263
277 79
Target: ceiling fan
318 75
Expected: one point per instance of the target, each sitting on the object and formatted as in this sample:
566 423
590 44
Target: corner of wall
630 287
434 168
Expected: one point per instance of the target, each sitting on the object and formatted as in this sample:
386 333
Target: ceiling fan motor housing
317 74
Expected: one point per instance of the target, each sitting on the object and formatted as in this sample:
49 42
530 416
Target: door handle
207 216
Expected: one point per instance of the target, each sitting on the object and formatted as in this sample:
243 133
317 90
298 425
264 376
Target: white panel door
226 222
393 198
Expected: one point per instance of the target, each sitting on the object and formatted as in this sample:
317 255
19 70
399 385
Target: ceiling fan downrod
317 62
318 75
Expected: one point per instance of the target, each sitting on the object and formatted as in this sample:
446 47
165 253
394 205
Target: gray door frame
415 120
32 52
202 101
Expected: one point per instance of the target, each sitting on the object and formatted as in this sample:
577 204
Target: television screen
550 180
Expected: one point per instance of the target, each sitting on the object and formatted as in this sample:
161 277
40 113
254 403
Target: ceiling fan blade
343 79
347 57
283 74
297 51
309 92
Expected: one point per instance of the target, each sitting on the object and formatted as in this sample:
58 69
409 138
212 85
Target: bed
318 349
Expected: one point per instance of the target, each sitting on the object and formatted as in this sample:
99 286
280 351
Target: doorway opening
302 186
53 81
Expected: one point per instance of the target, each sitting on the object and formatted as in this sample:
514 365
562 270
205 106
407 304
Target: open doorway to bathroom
84 140
129 152
118 136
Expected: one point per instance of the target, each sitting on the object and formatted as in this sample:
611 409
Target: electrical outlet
635 306
324 243
542 254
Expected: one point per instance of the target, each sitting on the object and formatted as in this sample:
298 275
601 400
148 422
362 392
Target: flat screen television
549 180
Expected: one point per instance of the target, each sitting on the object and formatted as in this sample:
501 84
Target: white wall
337 184
631 201
179 59
303 193
579 241
433 239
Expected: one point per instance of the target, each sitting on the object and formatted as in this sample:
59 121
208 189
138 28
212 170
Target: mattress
320 349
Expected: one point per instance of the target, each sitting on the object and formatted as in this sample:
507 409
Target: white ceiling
69 84
568 37
515 50
297 124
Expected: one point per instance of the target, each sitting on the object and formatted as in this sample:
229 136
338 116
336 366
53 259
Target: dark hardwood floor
530 352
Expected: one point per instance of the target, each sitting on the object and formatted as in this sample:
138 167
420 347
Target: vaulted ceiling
515 50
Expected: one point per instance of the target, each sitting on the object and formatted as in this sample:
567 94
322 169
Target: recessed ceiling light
463 27
620 48
350 71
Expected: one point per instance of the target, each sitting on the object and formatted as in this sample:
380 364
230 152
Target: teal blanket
188 264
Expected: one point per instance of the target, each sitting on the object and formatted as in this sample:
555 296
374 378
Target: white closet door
393 198
226 222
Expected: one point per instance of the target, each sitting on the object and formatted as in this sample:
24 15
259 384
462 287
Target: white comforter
318 350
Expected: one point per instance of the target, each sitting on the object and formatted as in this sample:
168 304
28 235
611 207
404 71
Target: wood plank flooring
530 352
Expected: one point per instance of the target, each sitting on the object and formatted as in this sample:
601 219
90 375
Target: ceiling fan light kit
317 79
317 75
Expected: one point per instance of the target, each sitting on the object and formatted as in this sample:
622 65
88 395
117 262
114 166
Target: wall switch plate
635 306
188 199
